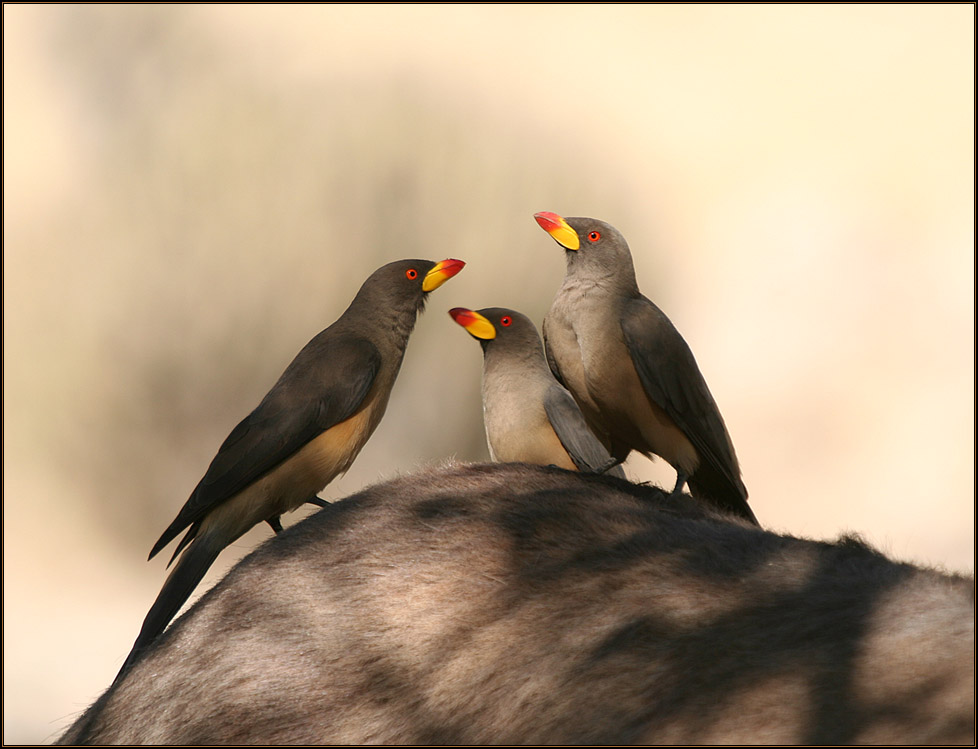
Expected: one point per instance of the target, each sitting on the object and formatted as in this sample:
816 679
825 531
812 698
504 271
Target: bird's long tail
193 565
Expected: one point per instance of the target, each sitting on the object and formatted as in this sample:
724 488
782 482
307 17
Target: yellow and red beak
559 229
477 325
441 273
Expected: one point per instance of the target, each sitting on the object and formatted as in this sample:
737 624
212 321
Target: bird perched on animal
307 429
529 416
630 370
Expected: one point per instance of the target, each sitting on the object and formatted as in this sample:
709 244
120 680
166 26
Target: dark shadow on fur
506 603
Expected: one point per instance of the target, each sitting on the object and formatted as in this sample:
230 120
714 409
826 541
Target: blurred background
192 192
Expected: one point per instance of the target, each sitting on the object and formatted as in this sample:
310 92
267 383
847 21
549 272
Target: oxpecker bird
529 416
305 432
630 370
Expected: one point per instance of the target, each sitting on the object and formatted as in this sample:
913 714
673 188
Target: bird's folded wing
325 385
673 381
585 450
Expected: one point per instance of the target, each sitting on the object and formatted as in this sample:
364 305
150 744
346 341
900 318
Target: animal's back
506 603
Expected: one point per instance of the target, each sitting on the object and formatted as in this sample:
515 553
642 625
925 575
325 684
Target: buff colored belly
634 419
540 446
295 480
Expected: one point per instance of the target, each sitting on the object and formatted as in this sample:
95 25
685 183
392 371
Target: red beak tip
453 266
547 220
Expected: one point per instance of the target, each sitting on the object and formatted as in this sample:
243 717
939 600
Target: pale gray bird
529 416
630 370
306 431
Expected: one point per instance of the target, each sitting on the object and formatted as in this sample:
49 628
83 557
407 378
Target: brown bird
306 431
630 370
529 416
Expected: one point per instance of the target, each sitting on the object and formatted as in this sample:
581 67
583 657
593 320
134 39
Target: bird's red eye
411 273
506 321
594 236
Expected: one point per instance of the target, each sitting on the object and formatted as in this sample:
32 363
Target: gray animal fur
518 604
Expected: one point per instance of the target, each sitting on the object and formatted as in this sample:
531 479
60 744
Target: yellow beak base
441 273
476 325
559 229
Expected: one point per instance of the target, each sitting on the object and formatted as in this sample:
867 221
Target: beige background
190 193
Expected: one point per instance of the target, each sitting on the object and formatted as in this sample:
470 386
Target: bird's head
498 327
594 248
405 284
394 295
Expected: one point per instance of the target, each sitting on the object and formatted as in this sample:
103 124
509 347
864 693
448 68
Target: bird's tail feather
189 571
714 487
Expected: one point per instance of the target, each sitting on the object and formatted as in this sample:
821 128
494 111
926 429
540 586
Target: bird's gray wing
324 385
673 381
588 454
